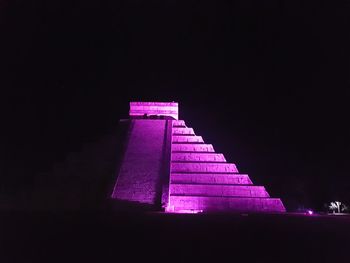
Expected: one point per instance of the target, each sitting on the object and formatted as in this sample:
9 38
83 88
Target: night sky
266 82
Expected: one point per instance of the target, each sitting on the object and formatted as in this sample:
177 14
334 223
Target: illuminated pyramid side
201 180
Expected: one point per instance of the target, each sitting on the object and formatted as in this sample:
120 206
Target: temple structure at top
168 167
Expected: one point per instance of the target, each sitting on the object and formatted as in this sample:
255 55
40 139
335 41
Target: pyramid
168 166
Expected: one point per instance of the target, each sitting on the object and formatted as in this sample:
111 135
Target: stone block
154 108
203 168
187 147
183 131
179 123
197 157
187 139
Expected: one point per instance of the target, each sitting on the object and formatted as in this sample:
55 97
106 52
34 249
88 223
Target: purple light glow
310 212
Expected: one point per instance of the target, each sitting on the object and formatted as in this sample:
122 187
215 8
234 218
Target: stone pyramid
168 166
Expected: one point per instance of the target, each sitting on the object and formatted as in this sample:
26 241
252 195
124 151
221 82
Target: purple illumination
310 212
165 158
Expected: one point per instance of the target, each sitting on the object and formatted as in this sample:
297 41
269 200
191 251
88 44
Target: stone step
187 147
197 157
202 178
224 204
187 139
218 190
183 131
179 123
203 168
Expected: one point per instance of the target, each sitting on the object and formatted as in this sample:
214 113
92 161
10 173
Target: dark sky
267 82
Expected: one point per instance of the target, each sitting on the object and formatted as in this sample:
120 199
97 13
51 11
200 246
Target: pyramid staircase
202 180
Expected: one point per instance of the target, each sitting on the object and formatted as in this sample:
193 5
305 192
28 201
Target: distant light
310 212
188 211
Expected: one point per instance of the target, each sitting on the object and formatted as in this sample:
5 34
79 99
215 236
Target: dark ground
110 237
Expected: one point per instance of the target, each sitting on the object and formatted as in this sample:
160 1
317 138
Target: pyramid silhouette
167 165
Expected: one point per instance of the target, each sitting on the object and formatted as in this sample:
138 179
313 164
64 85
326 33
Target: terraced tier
223 190
224 204
177 147
198 167
197 157
183 131
210 178
187 139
